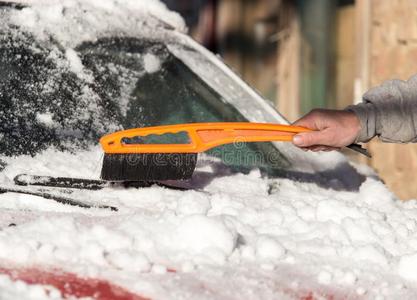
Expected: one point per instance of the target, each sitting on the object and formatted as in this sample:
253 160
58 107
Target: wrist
359 118
355 124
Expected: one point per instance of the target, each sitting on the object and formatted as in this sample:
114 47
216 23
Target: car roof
72 22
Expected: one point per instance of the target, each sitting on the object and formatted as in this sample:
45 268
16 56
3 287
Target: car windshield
69 98
155 87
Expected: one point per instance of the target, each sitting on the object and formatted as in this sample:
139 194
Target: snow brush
141 155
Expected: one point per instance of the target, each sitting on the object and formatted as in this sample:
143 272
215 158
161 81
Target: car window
43 102
159 89
69 98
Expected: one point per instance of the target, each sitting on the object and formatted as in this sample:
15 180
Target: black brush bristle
148 167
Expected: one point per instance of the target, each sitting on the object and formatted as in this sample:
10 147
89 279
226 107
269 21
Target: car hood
286 240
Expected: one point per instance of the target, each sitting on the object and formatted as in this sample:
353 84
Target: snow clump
10 289
198 234
45 119
151 63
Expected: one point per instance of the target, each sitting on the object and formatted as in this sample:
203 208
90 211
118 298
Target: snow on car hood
72 22
240 237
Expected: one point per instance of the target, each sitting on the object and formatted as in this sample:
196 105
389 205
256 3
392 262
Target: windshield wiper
54 197
85 184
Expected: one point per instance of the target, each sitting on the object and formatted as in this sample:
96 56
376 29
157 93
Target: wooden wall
344 57
316 67
393 54
375 40
288 62
247 40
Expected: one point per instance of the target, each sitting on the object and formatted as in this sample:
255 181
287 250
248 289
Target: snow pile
233 233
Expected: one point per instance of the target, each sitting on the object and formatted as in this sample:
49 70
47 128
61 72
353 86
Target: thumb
307 139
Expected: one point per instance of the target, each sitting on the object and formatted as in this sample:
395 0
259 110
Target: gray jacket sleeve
389 111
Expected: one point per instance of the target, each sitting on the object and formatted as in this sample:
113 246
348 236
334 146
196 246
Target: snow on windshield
48 96
45 96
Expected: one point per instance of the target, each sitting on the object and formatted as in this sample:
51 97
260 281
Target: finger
310 120
307 139
306 121
328 149
320 148
311 148
317 148
323 148
305 149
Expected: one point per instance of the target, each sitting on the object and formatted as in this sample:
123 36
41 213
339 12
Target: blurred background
303 54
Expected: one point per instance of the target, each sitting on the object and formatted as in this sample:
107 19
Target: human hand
333 129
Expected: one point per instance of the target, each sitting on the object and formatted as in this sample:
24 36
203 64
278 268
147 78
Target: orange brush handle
203 136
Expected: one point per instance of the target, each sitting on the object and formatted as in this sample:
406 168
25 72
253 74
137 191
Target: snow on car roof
74 21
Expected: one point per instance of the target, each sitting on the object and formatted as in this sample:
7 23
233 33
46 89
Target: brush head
148 166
